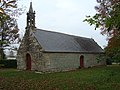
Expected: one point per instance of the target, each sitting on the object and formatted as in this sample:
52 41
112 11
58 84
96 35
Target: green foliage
2 55
93 20
113 49
102 78
8 24
115 54
107 19
9 63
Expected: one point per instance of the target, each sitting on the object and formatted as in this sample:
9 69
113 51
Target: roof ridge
63 33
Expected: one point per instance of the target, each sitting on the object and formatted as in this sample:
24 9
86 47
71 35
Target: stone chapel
43 50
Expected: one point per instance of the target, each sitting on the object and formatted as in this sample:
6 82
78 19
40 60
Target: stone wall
55 61
69 61
29 45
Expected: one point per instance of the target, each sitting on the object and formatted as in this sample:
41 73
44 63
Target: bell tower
30 28
30 18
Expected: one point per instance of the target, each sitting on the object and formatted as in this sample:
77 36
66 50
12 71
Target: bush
9 63
108 61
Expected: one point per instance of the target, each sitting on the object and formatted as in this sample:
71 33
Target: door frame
28 62
81 61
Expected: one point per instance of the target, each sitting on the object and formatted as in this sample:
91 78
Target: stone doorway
28 62
81 61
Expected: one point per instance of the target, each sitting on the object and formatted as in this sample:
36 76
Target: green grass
98 78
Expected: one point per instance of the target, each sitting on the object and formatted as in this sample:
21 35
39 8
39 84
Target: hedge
8 63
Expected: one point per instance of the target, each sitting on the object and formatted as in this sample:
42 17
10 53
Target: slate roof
59 42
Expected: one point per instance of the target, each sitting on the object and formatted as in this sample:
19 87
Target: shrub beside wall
8 63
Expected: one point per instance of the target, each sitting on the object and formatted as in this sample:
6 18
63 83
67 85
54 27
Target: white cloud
69 5
63 16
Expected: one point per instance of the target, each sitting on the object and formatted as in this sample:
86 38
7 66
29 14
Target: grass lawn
98 78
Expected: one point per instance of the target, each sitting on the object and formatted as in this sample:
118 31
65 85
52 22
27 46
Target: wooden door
82 61
28 62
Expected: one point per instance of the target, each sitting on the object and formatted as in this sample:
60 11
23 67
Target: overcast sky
64 16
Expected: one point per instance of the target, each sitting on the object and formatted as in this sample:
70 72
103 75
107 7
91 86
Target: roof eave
101 52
